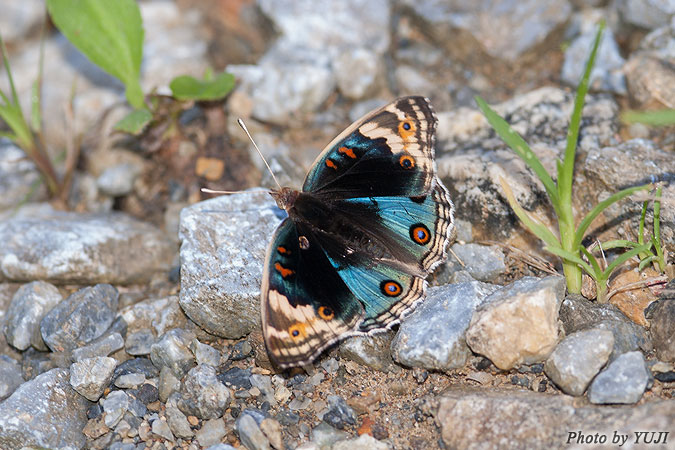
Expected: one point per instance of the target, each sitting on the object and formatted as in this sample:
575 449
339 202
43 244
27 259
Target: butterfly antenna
243 127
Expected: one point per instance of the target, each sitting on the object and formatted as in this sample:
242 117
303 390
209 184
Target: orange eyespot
330 163
283 271
390 288
347 151
326 313
420 233
406 128
297 331
406 161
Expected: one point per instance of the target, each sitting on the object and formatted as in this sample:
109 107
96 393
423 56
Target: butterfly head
285 197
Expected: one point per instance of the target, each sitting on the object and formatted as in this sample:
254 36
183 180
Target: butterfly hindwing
389 152
305 304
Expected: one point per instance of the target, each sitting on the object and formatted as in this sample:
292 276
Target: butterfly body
370 223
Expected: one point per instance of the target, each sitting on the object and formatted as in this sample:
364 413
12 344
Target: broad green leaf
134 122
518 145
189 88
586 222
109 33
660 118
533 225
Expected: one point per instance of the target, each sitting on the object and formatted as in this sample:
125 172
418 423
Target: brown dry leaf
633 302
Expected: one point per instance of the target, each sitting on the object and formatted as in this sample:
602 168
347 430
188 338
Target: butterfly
371 222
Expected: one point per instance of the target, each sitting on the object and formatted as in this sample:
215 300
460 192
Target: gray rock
34 363
519 25
412 81
578 358
623 381
162 429
90 376
139 343
68 247
19 178
370 350
205 354
647 14
19 19
10 376
484 263
648 70
264 383
607 74
178 423
168 384
325 436
280 91
114 406
118 180
211 432
225 302
202 394
577 313
339 414
129 380
662 328
250 434
137 365
363 442
221 447
433 336
630 163
80 318
172 351
472 159
272 430
518 323
159 315
359 72
103 346
523 419
29 305
44 412
299 403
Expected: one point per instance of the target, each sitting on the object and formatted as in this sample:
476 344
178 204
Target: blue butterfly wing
305 304
389 152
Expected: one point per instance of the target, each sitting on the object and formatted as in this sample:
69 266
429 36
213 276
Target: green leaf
644 262
109 33
189 88
518 145
534 226
586 222
625 257
566 174
618 243
660 118
597 273
134 122
569 256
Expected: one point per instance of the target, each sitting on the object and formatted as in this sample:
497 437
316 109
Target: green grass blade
5 62
566 175
534 226
597 270
644 262
518 145
569 256
641 226
625 257
619 243
134 122
586 222
109 33
660 118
